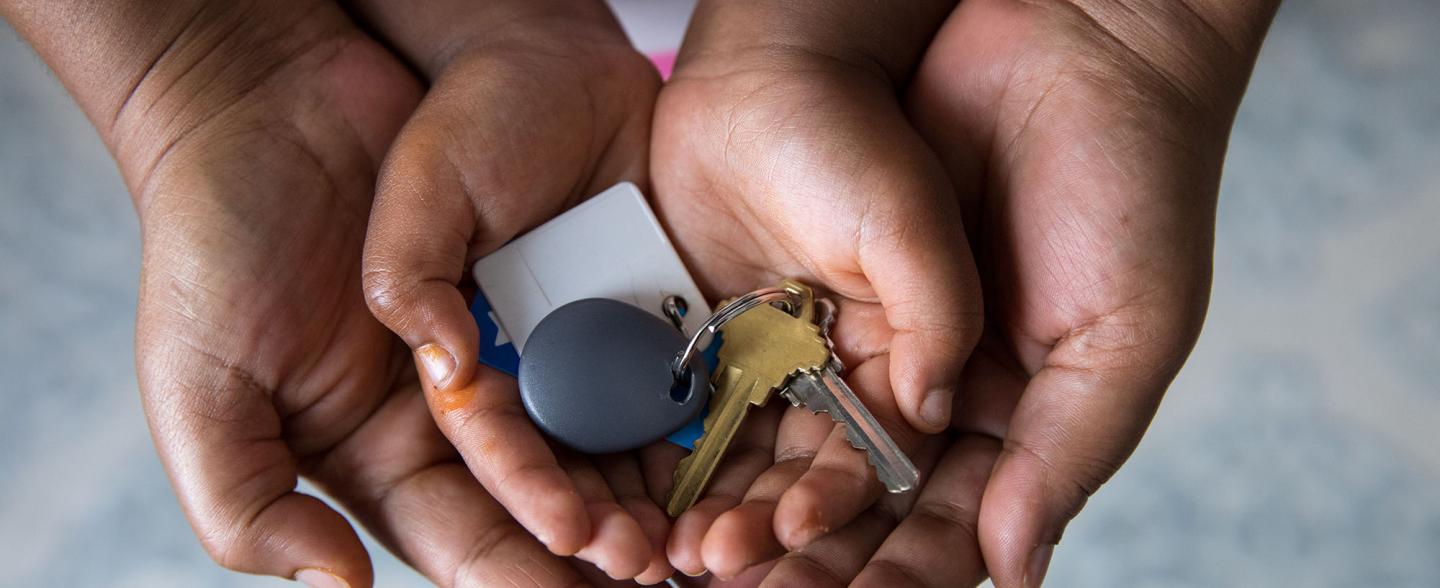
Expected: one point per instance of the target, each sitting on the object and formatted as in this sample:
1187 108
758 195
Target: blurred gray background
1300 446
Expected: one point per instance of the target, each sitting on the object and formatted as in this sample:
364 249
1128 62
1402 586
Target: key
825 391
760 350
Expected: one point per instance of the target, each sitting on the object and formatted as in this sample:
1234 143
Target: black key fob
596 375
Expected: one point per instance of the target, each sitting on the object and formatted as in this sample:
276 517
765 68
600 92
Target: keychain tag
610 246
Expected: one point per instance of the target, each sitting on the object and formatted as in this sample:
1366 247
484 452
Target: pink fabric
665 62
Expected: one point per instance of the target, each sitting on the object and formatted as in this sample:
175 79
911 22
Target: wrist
885 40
438 35
148 74
1204 49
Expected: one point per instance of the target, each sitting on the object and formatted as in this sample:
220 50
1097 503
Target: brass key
760 351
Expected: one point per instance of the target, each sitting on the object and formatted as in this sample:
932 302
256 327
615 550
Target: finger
749 454
835 559
915 255
840 483
623 475
403 480
936 544
993 383
745 536
750 578
658 461
499 144
594 576
220 439
485 421
618 545
415 253
1080 417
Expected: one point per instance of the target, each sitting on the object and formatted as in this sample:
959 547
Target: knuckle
1071 479
230 549
948 514
478 566
386 291
488 415
751 455
806 571
835 477
532 474
894 573
795 458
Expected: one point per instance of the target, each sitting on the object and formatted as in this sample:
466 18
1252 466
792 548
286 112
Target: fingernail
807 533
935 409
1039 564
438 362
318 578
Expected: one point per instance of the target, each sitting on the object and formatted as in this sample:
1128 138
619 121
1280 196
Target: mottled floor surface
1298 448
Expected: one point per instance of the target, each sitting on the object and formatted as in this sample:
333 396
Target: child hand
532 107
781 149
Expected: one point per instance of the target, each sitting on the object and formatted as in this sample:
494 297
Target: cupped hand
777 154
251 142
258 358
533 106
921 538
1084 145
1085 140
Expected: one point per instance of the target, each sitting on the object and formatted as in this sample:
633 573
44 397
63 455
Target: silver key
823 390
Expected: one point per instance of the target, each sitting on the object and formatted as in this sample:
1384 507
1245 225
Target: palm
1044 159
281 296
1073 240
253 326
809 170
276 226
755 186
1092 242
718 138
1064 151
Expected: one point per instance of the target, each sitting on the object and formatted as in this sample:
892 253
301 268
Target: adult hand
1085 141
781 149
250 136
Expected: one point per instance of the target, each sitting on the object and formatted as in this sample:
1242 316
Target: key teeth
855 440
850 433
887 478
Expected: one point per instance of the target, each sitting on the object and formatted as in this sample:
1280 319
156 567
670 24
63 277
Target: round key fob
595 375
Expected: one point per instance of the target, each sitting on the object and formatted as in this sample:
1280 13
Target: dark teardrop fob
595 375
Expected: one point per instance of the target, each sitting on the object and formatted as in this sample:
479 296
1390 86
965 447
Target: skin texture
1083 142
782 150
541 105
1059 157
251 136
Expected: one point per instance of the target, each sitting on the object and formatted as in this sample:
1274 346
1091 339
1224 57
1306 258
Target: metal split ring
724 315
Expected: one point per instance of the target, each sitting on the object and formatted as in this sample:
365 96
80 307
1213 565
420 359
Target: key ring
724 315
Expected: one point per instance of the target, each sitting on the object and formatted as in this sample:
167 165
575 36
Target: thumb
489 153
414 259
1078 419
219 437
915 255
